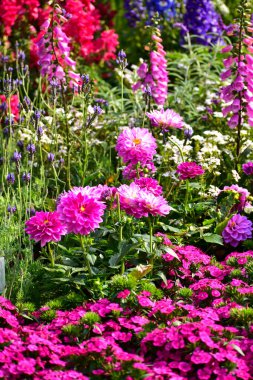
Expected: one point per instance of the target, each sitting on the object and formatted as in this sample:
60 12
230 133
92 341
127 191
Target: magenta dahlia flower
45 227
150 185
248 168
189 170
136 145
238 229
80 210
165 119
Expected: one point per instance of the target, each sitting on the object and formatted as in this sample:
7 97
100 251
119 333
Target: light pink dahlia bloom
150 185
153 205
136 145
128 197
165 119
45 227
140 203
189 170
80 211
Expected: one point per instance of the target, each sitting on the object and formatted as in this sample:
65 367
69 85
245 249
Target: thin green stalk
87 262
150 221
122 270
178 147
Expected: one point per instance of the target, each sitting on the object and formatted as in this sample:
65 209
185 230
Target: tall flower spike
155 75
54 50
237 94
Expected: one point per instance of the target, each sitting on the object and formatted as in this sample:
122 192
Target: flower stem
87 262
150 221
51 255
178 147
122 270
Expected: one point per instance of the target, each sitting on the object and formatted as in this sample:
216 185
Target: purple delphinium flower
135 11
16 156
11 209
238 229
203 21
165 9
26 177
50 157
248 168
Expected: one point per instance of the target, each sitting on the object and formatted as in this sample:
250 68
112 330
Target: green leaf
213 238
220 227
92 258
163 277
115 260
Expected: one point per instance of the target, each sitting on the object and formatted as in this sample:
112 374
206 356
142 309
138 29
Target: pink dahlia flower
128 197
150 185
45 227
136 145
165 119
238 229
248 168
80 211
189 170
140 203
150 204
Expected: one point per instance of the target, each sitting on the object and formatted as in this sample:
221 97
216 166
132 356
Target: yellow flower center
46 221
136 141
82 208
233 224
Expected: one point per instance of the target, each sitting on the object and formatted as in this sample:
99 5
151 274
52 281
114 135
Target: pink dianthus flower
45 227
80 211
136 145
165 119
189 170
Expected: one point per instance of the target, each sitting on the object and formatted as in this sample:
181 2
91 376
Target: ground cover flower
136 145
188 170
165 119
45 227
80 211
238 229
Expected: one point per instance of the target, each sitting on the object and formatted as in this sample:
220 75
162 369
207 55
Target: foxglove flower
165 119
238 229
154 75
189 170
45 227
80 211
136 145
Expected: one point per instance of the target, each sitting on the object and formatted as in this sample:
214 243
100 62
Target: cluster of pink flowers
197 329
79 211
154 75
88 32
188 170
165 119
140 202
238 94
